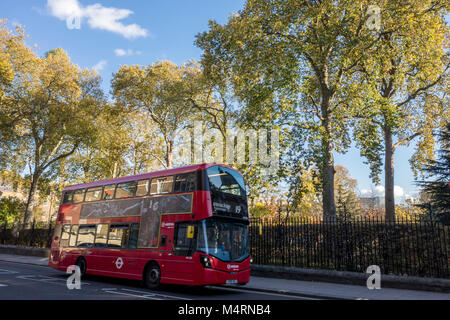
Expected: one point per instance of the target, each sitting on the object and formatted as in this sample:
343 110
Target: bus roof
191 168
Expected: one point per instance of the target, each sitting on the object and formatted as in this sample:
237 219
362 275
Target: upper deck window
161 185
226 180
94 194
142 188
108 192
68 197
185 183
126 190
78 196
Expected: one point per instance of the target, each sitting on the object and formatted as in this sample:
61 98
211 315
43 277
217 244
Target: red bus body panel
130 263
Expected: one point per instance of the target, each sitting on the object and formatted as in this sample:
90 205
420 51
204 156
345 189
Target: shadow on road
164 288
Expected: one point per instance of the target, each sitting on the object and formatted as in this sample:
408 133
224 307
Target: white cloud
129 52
64 9
120 52
378 191
97 16
398 192
100 65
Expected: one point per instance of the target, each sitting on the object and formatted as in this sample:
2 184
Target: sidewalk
24 259
300 288
337 291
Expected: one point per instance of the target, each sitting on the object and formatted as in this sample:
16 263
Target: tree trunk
328 201
389 176
115 169
329 207
31 199
169 151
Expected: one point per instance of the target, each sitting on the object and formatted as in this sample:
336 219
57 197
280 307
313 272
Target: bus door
179 264
99 258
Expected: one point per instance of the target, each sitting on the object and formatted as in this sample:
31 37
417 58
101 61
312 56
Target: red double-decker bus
180 226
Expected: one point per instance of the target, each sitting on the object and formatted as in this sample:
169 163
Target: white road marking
266 293
129 294
158 294
3 285
4 271
141 294
52 280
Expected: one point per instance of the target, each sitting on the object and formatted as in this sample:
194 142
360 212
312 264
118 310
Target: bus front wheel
152 276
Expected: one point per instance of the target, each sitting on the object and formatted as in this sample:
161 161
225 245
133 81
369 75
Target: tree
297 58
215 104
303 197
103 156
17 65
6 71
159 90
438 190
144 142
347 202
404 87
11 209
210 94
50 108
259 210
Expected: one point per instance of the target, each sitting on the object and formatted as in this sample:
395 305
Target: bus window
224 180
118 236
86 236
78 196
184 239
108 192
93 194
134 233
64 241
57 232
162 185
101 236
73 236
142 188
68 197
126 190
185 183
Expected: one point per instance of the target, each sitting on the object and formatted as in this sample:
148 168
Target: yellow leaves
6 74
59 76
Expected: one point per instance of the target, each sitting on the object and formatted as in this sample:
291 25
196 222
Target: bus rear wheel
81 263
152 276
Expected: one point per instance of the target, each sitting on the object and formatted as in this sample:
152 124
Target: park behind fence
404 247
414 248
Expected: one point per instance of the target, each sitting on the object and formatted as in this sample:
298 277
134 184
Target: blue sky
113 33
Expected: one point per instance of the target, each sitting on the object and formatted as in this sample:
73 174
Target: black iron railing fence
401 248
411 248
35 234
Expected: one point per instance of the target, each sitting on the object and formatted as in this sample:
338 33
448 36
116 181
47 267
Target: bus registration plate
234 281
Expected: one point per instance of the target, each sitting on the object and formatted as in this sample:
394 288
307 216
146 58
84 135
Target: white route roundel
119 263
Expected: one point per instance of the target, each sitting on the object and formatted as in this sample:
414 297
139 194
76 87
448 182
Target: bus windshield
226 241
226 180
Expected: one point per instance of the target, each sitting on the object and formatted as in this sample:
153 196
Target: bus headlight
206 262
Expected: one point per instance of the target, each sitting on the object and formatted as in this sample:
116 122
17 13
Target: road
31 282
